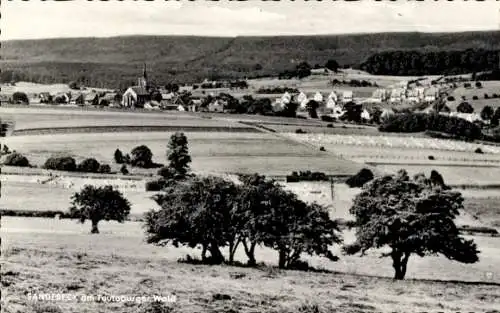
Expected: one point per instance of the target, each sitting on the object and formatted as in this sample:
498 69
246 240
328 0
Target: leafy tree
124 169
487 113
20 97
16 159
311 107
118 157
74 85
479 85
195 212
465 107
104 169
89 165
332 65
411 217
360 178
4 127
178 154
64 163
303 70
269 215
97 204
142 157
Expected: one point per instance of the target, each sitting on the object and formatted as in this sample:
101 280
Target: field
488 87
36 257
60 256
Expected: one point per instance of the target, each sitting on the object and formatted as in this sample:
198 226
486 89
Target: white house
301 97
333 96
397 95
331 103
286 98
365 115
379 95
412 95
318 97
303 104
430 94
347 96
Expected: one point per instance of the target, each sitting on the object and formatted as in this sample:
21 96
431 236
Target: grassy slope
78 263
193 58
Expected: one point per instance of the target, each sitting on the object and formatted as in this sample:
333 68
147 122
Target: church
137 96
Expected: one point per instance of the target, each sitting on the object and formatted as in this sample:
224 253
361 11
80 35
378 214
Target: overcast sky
78 18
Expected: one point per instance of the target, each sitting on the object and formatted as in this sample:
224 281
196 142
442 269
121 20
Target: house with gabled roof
91 98
77 99
137 96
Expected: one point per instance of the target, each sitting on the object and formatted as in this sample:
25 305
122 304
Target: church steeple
143 81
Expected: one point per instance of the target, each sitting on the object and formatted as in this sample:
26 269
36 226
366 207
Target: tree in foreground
194 212
99 203
271 216
16 159
411 216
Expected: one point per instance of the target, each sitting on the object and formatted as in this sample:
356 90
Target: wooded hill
117 61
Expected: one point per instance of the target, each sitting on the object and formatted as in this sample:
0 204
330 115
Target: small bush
90 165
322 148
479 85
486 96
61 164
5 150
104 168
359 179
450 98
478 150
124 170
142 157
167 172
495 95
327 118
299 131
431 157
475 98
329 125
155 185
127 159
16 159
119 158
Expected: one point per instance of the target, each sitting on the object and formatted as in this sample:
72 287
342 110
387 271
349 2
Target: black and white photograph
250 156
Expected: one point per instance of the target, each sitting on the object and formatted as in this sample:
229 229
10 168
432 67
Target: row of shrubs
306 176
67 163
486 96
419 122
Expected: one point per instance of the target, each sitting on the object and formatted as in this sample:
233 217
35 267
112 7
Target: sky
78 18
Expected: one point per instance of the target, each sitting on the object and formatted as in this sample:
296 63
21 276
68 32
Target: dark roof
140 91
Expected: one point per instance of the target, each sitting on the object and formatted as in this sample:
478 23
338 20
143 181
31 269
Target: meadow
488 87
59 256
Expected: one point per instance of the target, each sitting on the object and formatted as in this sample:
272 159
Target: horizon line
255 36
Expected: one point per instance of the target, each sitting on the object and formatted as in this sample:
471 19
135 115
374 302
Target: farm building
397 95
286 98
333 96
109 99
77 99
301 97
4 99
412 95
365 115
45 97
91 99
319 71
431 94
471 117
318 97
62 97
379 95
216 106
347 96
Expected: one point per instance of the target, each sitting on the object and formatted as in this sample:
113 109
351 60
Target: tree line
431 63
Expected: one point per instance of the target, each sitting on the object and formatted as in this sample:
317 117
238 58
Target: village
332 102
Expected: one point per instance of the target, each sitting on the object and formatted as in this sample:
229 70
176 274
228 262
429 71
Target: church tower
143 81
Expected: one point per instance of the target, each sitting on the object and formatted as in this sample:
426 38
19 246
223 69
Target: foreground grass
201 288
